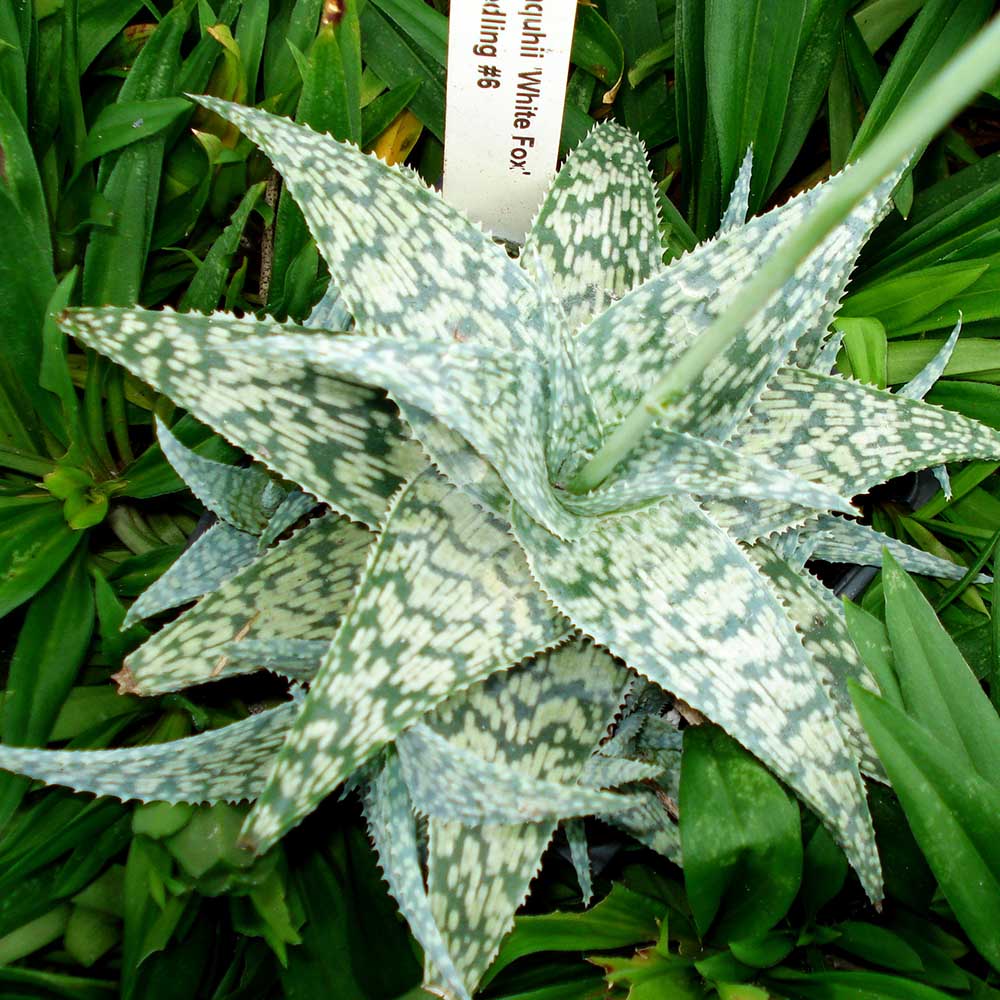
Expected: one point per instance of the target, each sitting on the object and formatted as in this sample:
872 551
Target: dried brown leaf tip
333 11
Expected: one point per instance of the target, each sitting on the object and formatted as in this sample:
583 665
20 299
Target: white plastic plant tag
508 61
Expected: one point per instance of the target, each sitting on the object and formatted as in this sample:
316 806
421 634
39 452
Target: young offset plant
586 459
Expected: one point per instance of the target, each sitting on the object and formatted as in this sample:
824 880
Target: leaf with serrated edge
455 383
850 436
579 854
544 719
298 590
446 599
406 263
230 763
628 347
212 559
392 827
338 440
596 232
296 659
291 510
453 783
241 497
739 199
672 595
840 540
921 383
651 824
668 463
820 620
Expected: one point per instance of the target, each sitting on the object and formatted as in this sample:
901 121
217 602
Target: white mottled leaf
446 599
211 560
393 829
738 208
455 383
923 381
628 347
330 313
544 719
841 540
452 782
406 263
230 763
668 463
340 441
674 597
651 824
296 659
244 498
596 232
850 436
298 590
819 617
293 507
579 853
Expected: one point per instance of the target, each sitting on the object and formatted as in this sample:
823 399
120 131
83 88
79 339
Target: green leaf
596 232
564 702
952 811
877 945
647 586
740 836
276 596
939 690
353 455
212 559
229 764
850 985
871 638
622 918
119 125
446 591
51 648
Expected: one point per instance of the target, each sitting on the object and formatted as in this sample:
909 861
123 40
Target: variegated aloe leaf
446 599
296 659
452 782
673 596
596 233
392 826
841 540
627 348
244 498
738 208
212 559
579 853
406 263
295 506
850 436
340 441
672 463
820 620
544 719
455 383
229 764
298 590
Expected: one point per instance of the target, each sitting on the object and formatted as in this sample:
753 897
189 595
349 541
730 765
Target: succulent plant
459 619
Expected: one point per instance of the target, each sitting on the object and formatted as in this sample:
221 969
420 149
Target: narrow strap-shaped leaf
297 590
579 854
851 436
494 399
820 620
545 719
736 211
210 561
629 347
239 496
671 594
229 764
384 235
841 540
393 829
338 440
445 600
669 463
596 232
451 782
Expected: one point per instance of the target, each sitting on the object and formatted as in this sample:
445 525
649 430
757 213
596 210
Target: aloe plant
452 590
